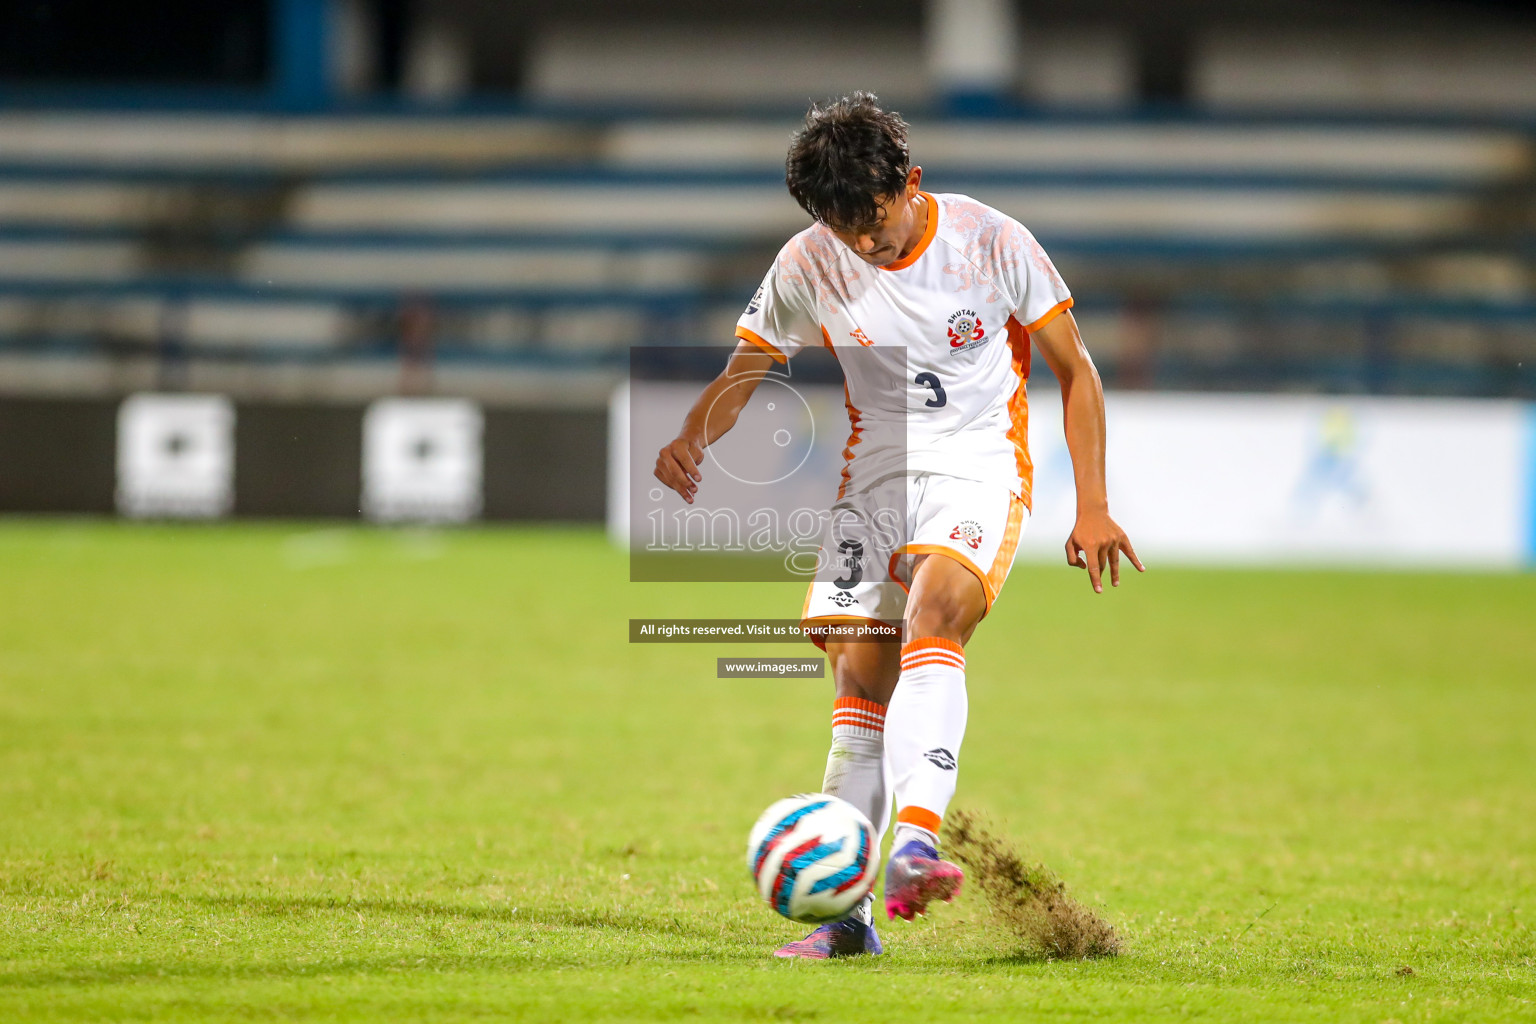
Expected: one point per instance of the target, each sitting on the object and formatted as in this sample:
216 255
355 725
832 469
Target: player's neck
919 226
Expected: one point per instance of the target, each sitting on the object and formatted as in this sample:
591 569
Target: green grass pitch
280 772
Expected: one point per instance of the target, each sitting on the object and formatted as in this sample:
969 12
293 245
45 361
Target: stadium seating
1209 252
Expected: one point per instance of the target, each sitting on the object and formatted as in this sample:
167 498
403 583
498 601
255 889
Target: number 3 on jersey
931 380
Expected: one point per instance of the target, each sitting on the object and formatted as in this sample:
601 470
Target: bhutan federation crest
967 532
966 331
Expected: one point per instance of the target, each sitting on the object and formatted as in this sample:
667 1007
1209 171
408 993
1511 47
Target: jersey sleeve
781 317
1039 293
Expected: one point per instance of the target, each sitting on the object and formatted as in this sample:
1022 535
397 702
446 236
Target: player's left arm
1096 539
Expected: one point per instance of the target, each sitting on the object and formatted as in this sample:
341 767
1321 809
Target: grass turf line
279 772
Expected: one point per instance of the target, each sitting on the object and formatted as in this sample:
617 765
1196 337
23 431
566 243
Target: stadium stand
1205 252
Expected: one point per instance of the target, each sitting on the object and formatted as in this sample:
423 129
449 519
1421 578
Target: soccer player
931 303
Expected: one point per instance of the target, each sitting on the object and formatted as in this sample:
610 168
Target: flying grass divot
1028 899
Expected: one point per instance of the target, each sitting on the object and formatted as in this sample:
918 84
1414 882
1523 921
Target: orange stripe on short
922 817
1005 552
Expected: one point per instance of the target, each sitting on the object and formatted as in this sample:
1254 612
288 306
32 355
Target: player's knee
943 613
947 600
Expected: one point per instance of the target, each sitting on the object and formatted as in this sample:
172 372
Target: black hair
847 156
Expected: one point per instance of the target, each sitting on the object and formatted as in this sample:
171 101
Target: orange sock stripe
922 817
930 655
919 662
858 704
924 643
858 716
923 665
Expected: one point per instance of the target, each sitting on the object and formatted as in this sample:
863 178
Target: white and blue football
813 857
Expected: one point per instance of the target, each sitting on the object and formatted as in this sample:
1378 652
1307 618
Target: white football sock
906 833
926 725
855 768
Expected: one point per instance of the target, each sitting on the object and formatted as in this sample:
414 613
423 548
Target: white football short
865 562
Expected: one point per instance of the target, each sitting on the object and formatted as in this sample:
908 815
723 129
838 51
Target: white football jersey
939 385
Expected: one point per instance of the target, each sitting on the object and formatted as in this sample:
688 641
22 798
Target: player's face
896 229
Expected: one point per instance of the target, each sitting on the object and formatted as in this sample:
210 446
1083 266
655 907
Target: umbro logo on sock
941 758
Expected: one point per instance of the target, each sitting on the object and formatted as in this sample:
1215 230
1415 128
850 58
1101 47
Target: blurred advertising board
422 460
1222 479
175 456
429 460
1278 479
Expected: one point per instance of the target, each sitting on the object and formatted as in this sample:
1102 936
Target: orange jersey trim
1050 314
922 243
1018 405
746 335
922 817
855 432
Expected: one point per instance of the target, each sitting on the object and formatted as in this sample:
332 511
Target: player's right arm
715 412
778 322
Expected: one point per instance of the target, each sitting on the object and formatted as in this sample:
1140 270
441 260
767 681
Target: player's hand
677 466
1096 542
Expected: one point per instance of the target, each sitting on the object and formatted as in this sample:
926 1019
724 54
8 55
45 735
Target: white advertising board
1231 479
175 456
1280 479
422 460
